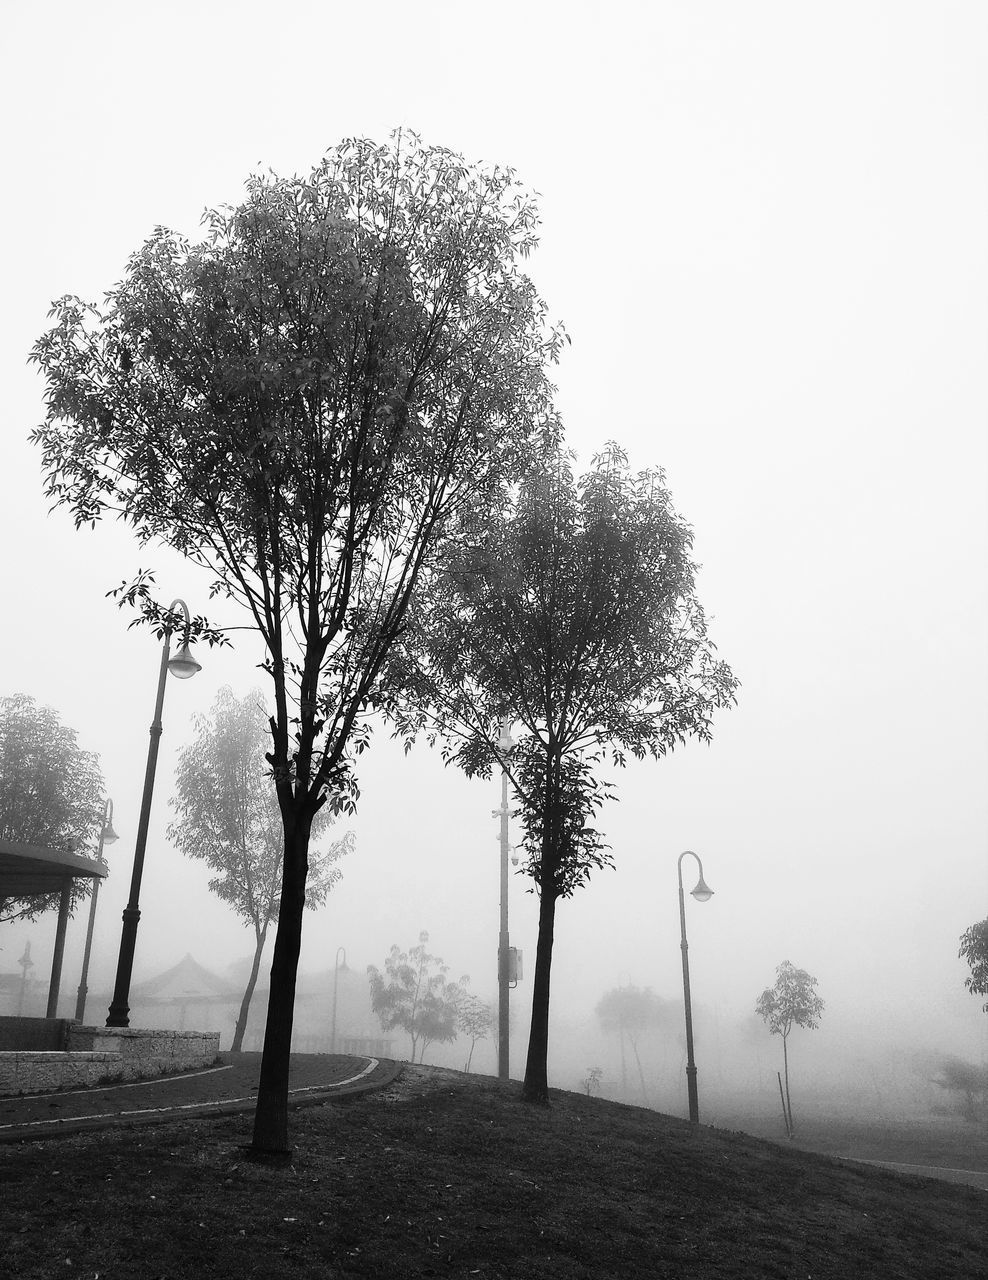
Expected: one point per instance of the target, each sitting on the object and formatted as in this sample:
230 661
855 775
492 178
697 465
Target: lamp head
109 835
183 665
702 892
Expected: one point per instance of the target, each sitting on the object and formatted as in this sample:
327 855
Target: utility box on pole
514 966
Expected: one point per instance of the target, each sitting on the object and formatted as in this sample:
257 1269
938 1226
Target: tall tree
227 815
792 1002
51 794
300 403
630 1012
574 614
415 995
974 949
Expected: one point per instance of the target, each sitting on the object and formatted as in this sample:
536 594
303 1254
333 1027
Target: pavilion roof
29 868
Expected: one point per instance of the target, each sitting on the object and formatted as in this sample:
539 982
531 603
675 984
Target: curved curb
316 1095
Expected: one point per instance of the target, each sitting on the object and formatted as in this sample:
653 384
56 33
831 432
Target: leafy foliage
227 816
300 403
974 949
51 794
633 1010
792 1002
575 615
300 400
415 995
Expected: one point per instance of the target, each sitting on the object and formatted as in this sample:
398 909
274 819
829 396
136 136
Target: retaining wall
103 1055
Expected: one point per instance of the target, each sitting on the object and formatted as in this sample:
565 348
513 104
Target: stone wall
103 1055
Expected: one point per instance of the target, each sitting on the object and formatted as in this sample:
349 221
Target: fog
764 227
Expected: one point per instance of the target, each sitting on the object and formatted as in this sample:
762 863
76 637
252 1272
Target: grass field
449 1175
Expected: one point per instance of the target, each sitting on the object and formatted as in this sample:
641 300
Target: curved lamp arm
183 665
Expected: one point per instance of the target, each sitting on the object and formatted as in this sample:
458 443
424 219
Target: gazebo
27 869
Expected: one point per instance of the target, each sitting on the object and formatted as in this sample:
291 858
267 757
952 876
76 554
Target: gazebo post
56 959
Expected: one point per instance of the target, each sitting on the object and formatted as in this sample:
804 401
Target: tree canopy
415 995
974 949
630 1012
51 794
227 816
573 613
299 403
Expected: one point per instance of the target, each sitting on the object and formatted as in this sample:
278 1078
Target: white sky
765 229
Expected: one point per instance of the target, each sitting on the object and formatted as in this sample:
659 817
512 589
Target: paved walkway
226 1089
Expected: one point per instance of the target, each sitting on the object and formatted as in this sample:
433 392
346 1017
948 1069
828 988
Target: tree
51 794
574 615
591 1081
792 1002
969 1086
974 949
414 994
631 1011
300 403
474 1019
228 816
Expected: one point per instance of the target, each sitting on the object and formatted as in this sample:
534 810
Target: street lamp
702 893
182 666
106 836
505 744
336 978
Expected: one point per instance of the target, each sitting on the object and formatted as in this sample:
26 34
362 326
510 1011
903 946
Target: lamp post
182 666
336 979
503 977
702 893
106 836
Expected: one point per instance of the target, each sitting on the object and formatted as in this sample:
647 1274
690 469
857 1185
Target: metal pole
690 1064
56 959
80 1003
336 979
503 987
120 1008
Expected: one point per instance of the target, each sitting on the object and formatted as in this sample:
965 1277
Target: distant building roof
186 981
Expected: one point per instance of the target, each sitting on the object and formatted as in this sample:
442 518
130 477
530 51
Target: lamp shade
109 835
702 892
183 665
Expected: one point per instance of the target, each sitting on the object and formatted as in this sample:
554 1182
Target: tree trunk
271 1114
785 1063
536 1087
238 1035
641 1073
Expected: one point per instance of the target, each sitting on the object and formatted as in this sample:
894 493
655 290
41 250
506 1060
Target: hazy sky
765 229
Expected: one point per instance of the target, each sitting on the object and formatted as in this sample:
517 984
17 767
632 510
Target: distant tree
300 403
474 1020
630 1012
974 949
969 1085
574 615
415 995
227 815
792 1002
51 794
591 1081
